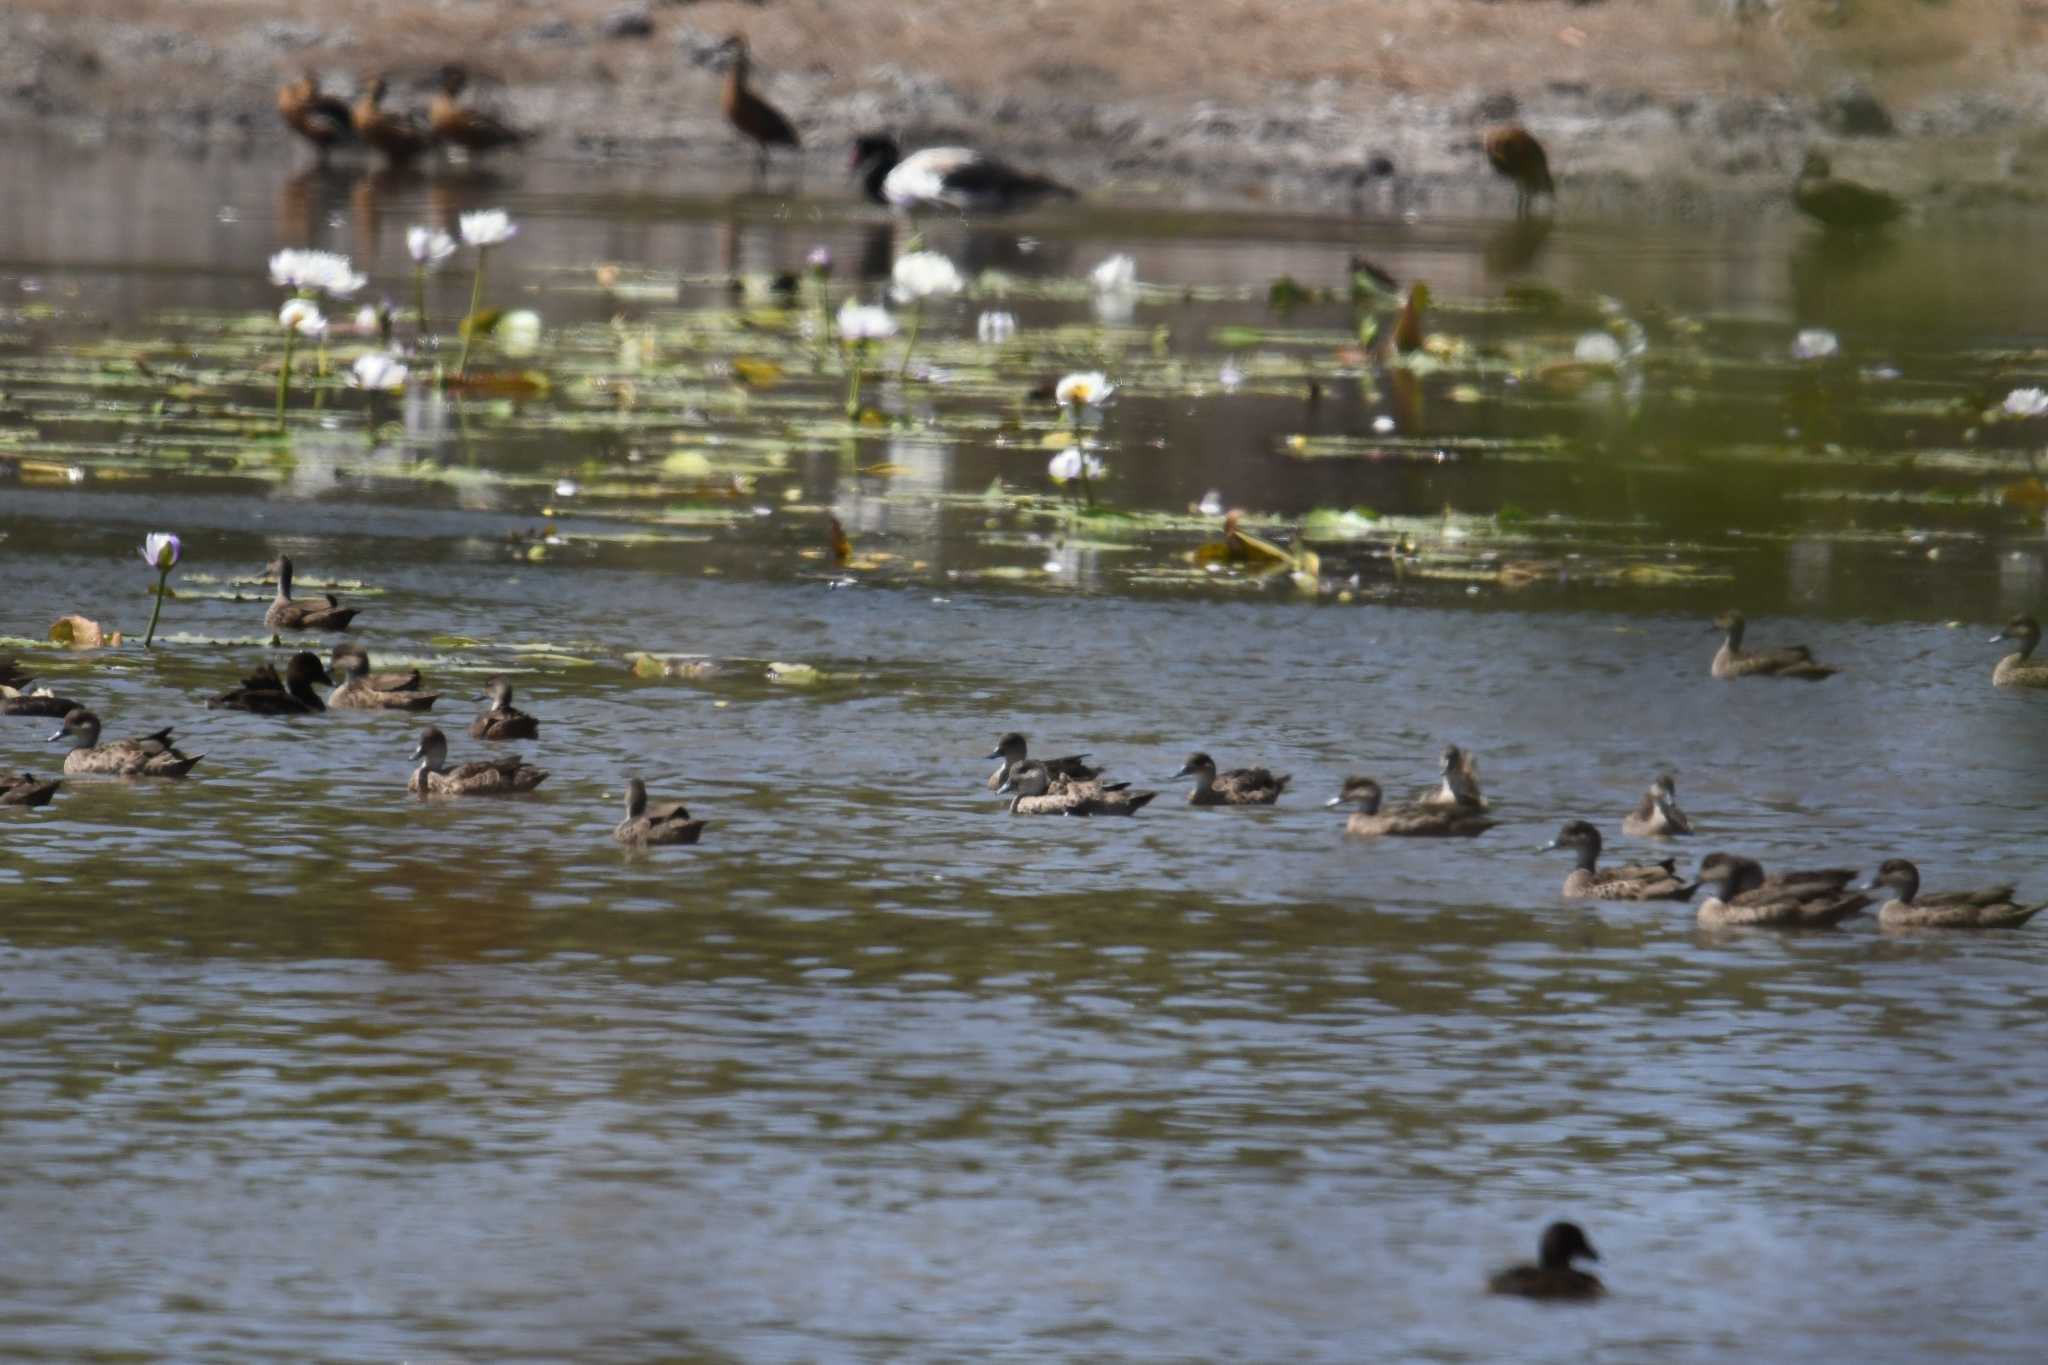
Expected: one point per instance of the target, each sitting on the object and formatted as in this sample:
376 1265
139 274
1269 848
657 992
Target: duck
1787 661
358 690
955 179
485 777
1991 908
458 125
1370 821
753 117
1460 781
1741 895
1011 750
1238 787
1037 791
401 137
44 703
1841 205
2020 668
11 674
264 693
406 681
27 790
646 826
1657 815
1553 1276
1657 881
1514 152
154 755
321 119
503 720
304 613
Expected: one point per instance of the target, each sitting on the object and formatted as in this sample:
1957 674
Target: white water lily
1115 275
316 272
302 317
1211 504
161 550
429 246
1074 463
1815 343
378 370
518 332
925 275
2026 403
488 227
995 328
865 322
1597 348
1083 389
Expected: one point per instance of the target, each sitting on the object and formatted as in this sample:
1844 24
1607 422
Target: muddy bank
1645 107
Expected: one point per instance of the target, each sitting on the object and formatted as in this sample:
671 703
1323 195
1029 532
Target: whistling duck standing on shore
955 178
457 124
1841 205
321 119
1516 154
399 136
754 117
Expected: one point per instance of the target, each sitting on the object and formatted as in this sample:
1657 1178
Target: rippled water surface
298 1068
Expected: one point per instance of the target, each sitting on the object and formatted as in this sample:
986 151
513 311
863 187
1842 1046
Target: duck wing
1074 767
38 704
1941 900
27 791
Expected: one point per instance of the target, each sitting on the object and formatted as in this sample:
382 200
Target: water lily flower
378 371
1086 388
865 322
995 328
1116 275
302 317
819 260
429 247
316 272
1815 343
1074 463
161 550
1597 348
925 275
488 227
1211 504
1230 376
2026 403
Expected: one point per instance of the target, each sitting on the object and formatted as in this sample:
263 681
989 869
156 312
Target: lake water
298 1068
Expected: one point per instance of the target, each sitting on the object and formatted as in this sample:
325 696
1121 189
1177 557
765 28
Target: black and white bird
956 179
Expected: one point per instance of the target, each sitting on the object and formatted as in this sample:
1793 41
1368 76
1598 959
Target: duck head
1361 792
1580 836
1729 874
81 725
304 669
452 80
1900 876
1010 748
1027 779
431 752
282 568
1199 766
872 150
2022 629
636 798
1730 623
498 692
1562 1244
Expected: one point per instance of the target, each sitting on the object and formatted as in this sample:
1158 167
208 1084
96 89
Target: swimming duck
358 693
1552 1277
399 136
1741 895
1635 882
1515 153
646 826
957 179
1238 787
321 119
1841 205
485 777
304 613
264 693
1460 781
457 124
1419 821
11 674
503 720
1039 792
1657 814
1787 661
407 681
1991 908
1011 750
44 703
154 755
2020 668
26 790
753 117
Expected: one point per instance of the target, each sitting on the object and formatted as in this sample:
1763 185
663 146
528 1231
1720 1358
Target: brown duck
47 704
358 691
405 681
1237 787
1841 205
26 790
503 720
1370 820
1657 815
458 125
1787 661
321 119
646 826
1740 895
485 777
2020 668
1515 153
400 137
1635 882
1991 908
1011 750
264 693
11 674
1458 781
303 613
1553 1276
1038 792
154 755
753 117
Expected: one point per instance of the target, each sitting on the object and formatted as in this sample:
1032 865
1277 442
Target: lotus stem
419 294
859 350
284 376
476 296
163 577
916 321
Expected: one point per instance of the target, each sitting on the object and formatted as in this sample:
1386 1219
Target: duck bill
1999 638
1185 771
54 738
1334 802
992 757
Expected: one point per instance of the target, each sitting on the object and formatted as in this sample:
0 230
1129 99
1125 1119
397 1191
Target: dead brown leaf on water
82 632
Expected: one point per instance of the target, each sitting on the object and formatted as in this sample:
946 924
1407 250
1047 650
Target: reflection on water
301 1068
